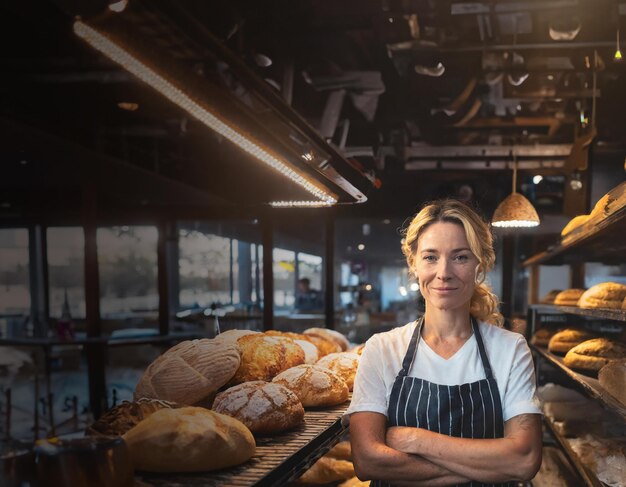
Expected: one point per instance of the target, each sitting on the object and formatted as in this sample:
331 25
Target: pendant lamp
515 211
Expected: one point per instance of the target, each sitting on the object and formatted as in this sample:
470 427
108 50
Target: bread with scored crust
594 354
344 364
125 416
315 386
331 335
264 407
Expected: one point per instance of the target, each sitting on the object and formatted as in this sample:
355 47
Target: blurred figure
308 299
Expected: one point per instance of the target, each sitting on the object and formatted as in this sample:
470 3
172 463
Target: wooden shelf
589 385
599 241
604 313
278 458
590 479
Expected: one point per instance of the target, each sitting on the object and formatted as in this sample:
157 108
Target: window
284 277
127 262
66 272
310 266
14 280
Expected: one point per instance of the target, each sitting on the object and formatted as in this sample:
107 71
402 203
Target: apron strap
481 348
407 362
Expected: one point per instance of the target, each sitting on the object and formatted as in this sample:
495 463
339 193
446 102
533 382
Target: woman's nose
443 270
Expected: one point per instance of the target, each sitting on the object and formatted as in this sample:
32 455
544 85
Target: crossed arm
415 456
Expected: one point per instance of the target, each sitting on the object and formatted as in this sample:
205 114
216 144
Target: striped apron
471 410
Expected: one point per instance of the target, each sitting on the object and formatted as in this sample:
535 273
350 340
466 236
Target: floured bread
562 341
613 378
118 420
542 336
189 439
343 364
189 372
331 335
327 470
263 357
550 296
315 386
264 407
231 336
594 354
311 353
574 223
603 295
569 297
324 345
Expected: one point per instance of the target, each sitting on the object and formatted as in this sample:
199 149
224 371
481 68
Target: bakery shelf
600 242
278 458
590 479
604 313
589 385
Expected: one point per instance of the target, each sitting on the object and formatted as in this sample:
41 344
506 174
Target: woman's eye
461 258
430 258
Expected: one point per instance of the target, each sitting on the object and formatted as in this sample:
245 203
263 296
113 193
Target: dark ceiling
425 96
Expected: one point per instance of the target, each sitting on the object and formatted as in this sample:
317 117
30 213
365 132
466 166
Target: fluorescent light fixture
177 96
300 204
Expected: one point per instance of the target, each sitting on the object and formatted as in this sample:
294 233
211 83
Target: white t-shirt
508 353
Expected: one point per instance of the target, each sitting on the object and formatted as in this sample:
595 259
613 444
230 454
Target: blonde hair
484 303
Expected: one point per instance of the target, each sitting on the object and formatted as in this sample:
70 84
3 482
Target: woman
449 399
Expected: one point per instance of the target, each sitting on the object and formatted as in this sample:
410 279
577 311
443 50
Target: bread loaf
613 378
343 364
327 470
354 482
574 223
324 345
331 335
264 407
594 354
563 340
231 336
189 372
341 451
569 297
315 386
550 296
311 353
118 420
189 439
603 295
263 356
542 336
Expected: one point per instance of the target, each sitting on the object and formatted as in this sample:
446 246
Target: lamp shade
515 211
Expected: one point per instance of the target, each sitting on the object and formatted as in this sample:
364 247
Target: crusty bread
315 386
344 364
569 297
594 354
542 336
331 335
562 341
341 451
549 297
613 378
189 439
264 407
603 295
264 356
574 223
355 482
189 372
231 336
324 345
327 470
311 352
121 418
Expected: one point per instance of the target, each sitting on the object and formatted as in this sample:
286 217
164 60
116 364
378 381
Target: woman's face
445 266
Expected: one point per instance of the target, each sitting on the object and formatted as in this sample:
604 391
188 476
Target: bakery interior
153 151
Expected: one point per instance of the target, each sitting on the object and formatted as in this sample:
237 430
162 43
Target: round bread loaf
613 378
311 352
189 439
603 295
118 420
327 470
594 354
315 386
264 407
231 336
569 297
344 364
542 336
550 296
562 341
574 223
189 372
324 345
263 356
331 335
